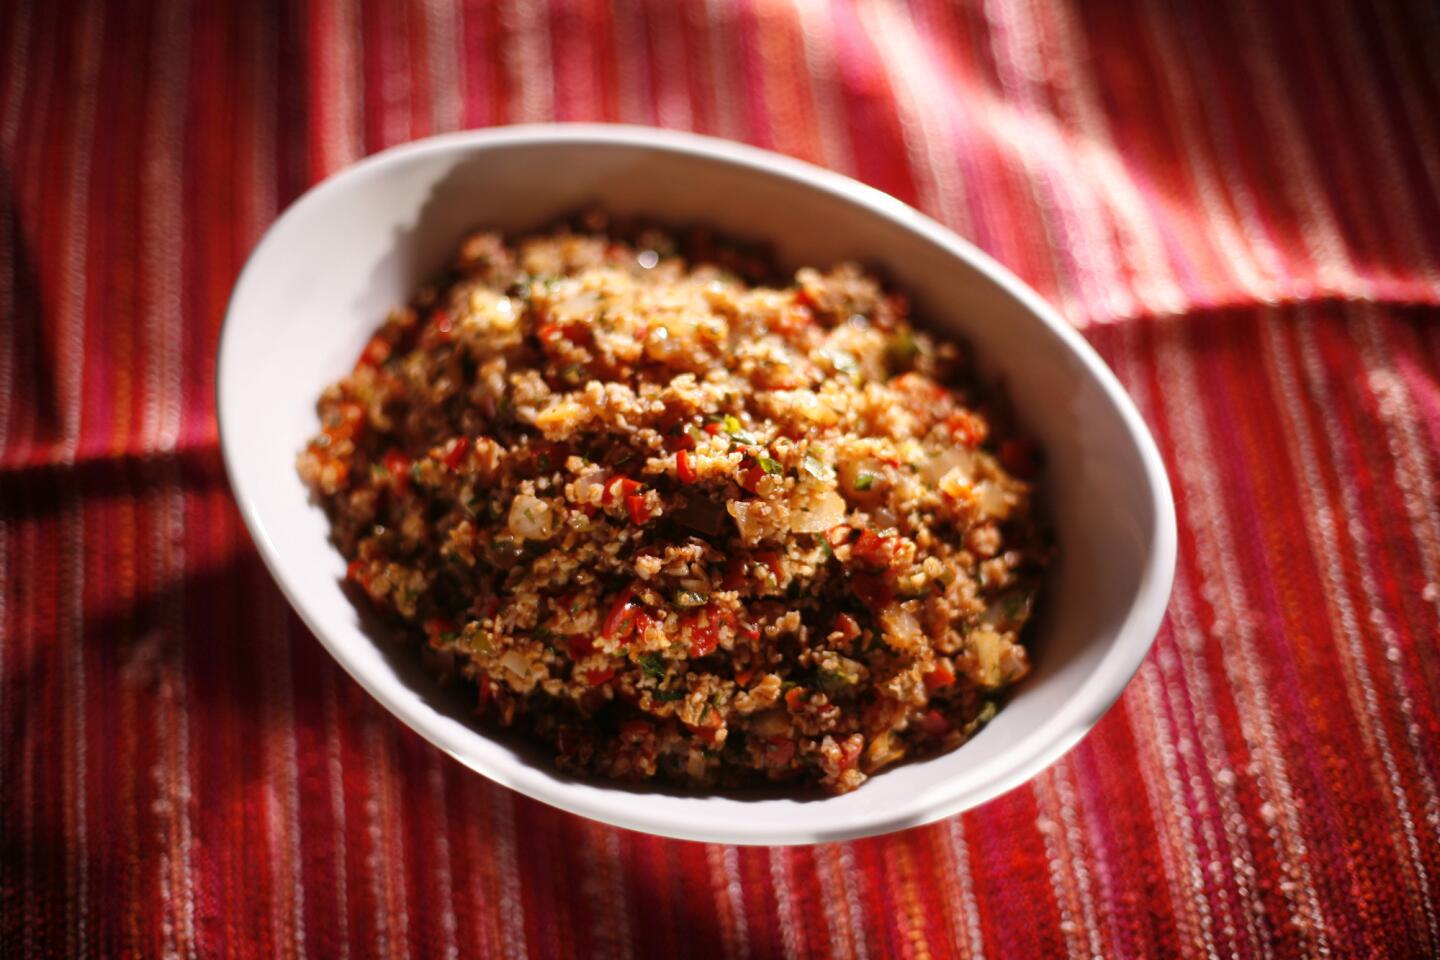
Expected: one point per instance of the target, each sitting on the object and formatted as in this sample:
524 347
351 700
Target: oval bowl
325 274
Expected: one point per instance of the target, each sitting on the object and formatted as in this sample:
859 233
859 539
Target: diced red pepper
576 333
639 512
486 692
934 724
966 428
742 677
398 466
771 559
356 572
618 488
624 618
750 479
939 676
795 698
580 647
874 549
596 677
712 428
703 631
455 456
376 352
847 627
748 630
779 750
683 468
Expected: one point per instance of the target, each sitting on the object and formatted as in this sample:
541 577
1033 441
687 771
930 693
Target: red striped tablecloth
1239 204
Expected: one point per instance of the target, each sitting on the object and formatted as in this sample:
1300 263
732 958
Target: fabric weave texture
1237 203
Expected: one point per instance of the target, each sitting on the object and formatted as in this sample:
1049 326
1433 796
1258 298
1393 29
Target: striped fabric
1238 203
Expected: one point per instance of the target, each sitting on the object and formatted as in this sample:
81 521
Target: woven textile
1239 205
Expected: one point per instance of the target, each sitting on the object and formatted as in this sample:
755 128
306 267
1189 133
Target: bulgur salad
676 523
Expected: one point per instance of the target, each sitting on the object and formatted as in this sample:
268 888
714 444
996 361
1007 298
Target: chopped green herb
731 424
696 434
768 465
653 665
667 696
865 480
823 543
834 681
689 599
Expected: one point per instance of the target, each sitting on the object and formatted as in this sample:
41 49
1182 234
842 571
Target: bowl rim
1096 694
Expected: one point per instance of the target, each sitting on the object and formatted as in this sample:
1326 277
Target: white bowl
325 274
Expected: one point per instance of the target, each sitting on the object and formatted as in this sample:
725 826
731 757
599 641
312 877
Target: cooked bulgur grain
673 524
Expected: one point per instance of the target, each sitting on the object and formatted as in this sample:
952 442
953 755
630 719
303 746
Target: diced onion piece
902 630
818 514
531 518
950 459
590 486
986 645
863 479
993 501
515 662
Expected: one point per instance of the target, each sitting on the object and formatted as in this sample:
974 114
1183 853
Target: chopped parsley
689 599
652 665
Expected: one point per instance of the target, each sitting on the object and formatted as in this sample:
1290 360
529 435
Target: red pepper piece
398 466
873 549
703 631
376 352
934 724
939 676
455 456
624 617
683 468
596 677
779 751
637 509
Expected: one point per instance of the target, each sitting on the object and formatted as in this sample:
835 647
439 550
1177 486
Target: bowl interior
325 275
